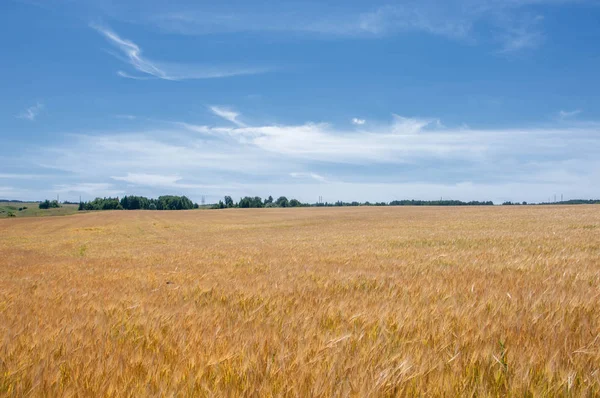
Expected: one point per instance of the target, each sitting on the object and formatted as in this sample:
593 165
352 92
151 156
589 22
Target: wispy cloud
567 114
32 112
157 180
373 21
20 176
358 122
128 76
520 33
314 176
167 71
227 114
514 25
88 188
126 117
162 181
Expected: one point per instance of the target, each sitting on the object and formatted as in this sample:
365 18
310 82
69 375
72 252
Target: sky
350 100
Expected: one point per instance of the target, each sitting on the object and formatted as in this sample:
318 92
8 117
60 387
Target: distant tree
219 205
46 204
244 202
269 200
295 203
152 206
248 202
282 201
228 201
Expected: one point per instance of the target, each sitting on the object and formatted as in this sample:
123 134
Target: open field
31 209
303 302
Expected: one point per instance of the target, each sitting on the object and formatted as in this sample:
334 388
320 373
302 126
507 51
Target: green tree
228 201
282 201
219 205
46 204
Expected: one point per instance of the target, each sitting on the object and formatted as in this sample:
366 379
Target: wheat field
490 301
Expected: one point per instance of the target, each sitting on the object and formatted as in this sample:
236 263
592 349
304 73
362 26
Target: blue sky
353 100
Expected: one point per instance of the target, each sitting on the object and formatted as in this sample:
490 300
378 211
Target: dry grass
302 302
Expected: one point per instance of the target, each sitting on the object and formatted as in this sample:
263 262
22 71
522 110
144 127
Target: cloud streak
513 26
314 176
32 112
227 114
149 69
567 114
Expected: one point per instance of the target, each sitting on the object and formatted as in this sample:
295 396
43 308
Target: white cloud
128 76
8 192
407 154
167 71
165 181
358 122
227 114
514 25
314 176
566 114
32 112
127 117
153 180
518 34
20 176
88 188
372 21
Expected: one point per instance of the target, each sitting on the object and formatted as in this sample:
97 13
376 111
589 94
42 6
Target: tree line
409 202
282 201
167 202
172 202
256 202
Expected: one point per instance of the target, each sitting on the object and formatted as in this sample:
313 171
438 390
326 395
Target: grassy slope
498 301
33 210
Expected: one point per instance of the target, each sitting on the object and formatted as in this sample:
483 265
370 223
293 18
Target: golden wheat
302 302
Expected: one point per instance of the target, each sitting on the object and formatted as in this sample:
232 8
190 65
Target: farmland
302 302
